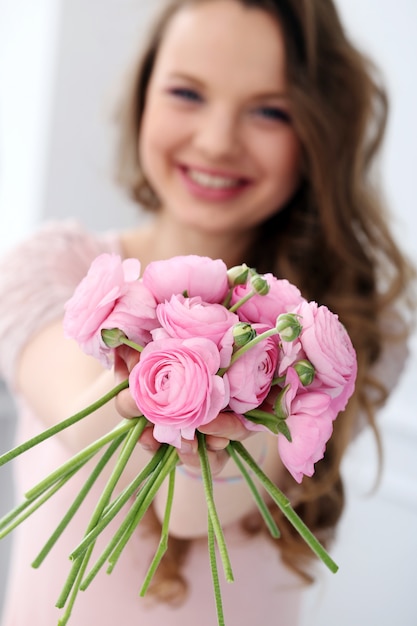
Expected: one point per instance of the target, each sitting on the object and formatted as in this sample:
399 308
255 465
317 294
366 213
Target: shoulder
57 249
38 276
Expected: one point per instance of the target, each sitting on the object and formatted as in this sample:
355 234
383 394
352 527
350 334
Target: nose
217 134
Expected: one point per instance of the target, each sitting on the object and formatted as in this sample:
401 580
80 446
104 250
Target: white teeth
214 182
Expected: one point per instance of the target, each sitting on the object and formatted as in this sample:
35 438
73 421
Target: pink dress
35 281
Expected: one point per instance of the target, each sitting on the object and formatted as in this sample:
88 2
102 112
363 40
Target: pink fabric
35 281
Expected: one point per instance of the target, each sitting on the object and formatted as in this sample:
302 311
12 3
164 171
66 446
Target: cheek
157 137
285 158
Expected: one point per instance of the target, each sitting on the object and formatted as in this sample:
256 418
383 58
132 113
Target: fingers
226 426
188 453
124 361
125 404
216 458
148 441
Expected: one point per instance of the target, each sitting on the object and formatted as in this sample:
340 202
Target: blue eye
274 114
185 93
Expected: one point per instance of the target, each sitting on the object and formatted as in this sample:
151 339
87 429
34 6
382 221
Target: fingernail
187 447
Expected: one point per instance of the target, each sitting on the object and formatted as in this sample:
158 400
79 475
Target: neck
162 240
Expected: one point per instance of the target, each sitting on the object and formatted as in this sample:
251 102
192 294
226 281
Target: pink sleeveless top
36 279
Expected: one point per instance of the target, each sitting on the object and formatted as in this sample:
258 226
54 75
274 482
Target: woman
250 132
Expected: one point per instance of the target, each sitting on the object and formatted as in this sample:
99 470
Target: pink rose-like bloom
250 376
191 275
328 347
191 317
134 313
311 425
281 298
106 298
175 385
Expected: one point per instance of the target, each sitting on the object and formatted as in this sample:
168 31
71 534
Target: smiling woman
249 130
217 140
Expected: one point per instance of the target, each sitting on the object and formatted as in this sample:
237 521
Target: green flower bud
259 284
305 371
112 337
288 326
242 334
238 275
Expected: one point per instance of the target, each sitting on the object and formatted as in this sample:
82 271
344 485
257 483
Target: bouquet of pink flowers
210 340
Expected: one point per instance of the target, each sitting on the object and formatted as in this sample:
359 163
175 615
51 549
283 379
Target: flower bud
259 284
288 326
238 275
242 334
305 371
112 337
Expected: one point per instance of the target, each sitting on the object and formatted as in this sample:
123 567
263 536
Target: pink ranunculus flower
176 386
134 313
104 299
191 275
281 298
250 376
327 345
310 422
192 317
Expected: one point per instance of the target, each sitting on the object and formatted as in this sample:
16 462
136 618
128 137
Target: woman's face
217 143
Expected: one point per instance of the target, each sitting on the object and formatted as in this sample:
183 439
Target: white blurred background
61 65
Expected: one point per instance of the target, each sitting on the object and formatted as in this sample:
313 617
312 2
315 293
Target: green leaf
284 430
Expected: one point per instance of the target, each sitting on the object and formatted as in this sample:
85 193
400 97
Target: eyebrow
262 95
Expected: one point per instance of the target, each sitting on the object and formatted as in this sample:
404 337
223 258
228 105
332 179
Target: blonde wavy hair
332 240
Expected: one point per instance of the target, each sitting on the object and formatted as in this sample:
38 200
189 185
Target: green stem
77 502
57 428
73 582
268 333
285 506
72 579
81 457
81 567
208 488
228 298
163 543
215 572
131 344
131 519
260 502
110 512
239 303
27 510
168 463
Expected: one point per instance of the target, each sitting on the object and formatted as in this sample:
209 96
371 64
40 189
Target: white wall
28 42
60 64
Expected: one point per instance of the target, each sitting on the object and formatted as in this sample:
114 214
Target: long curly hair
332 240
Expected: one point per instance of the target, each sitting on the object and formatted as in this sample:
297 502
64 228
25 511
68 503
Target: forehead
224 39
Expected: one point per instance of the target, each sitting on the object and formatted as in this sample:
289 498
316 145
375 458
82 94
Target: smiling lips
211 186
